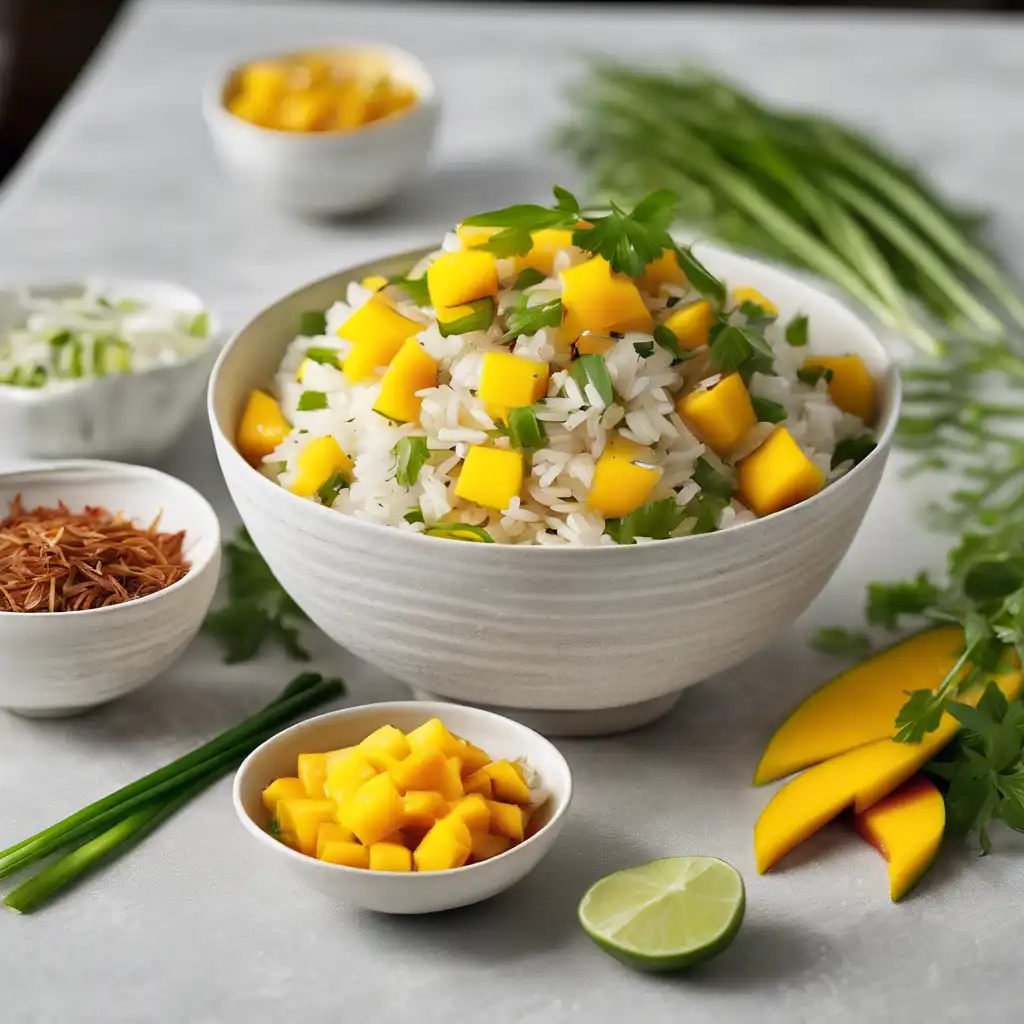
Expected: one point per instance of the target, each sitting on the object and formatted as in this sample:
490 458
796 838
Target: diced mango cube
720 415
479 782
332 832
282 789
458 277
691 324
390 857
447 845
602 301
433 735
852 387
410 371
266 79
422 769
347 773
421 808
332 757
451 781
547 243
510 381
305 111
777 474
473 810
471 235
507 820
485 845
472 757
261 429
623 480
383 747
752 295
508 783
373 811
374 282
300 820
491 477
663 270
316 464
312 770
349 855
378 332
594 345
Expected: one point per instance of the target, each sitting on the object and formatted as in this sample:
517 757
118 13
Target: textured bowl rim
426 93
42 396
433 709
884 434
113 471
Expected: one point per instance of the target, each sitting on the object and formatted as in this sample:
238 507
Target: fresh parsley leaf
310 401
797 331
705 508
414 515
411 454
920 715
853 449
756 314
312 324
528 320
889 603
768 411
527 216
630 241
566 201
592 369
527 279
508 242
729 348
330 489
414 287
711 481
668 341
701 279
844 643
812 374
655 519
480 317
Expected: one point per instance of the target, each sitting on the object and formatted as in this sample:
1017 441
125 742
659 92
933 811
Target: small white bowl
61 663
334 172
392 892
124 416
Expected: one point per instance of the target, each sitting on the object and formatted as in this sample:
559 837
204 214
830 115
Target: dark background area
46 43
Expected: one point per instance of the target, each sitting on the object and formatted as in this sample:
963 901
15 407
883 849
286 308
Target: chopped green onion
812 374
312 323
309 401
324 356
768 411
199 325
414 287
528 320
711 481
331 488
525 430
411 453
459 531
479 319
76 369
853 449
797 331
60 339
592 369
414 515
527 279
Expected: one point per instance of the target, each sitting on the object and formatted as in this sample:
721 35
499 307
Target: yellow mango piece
471 236
860 704
352 101
623 480
384 746
594 345
374 282
490 476
377 332
479 782
473 810
312 771
664 270
447 845
261 429
691 324
349 855
746 294
422 769
347 773
390 857
720 415
508 783
264 78
332 832
433 735
299 821
311 110
602 301
373 811
282 789
507 820
334 756
852 387
906 828
472 757
777 474
512 381
547 244
859 779
421 808
316 464
260 110
485 845
451 781
458 277
410 371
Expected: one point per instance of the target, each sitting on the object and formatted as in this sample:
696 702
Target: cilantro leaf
730 347
511 241
411 454
528 320
920 715
527 279
565 200
812 374
414 287
768 411
889 603
846 643
655 519
711 481
853 449
700 278
705 508
797 331
630 241
668 341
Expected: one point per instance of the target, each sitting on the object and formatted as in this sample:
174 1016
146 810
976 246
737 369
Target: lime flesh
666 915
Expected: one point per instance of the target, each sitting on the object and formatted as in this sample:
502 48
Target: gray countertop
186 929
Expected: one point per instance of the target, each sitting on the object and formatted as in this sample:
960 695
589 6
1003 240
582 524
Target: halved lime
665 915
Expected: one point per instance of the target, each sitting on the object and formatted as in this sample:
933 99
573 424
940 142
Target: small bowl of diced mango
406 807
325 131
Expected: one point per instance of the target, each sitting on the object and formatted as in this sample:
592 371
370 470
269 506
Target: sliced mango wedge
906 828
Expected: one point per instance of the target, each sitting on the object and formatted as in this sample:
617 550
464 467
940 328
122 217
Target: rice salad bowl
549 377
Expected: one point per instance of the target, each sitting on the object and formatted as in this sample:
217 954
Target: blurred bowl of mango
324 132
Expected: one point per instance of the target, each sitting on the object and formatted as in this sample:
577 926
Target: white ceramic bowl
616 632
60 663
130 416
413 893
323 173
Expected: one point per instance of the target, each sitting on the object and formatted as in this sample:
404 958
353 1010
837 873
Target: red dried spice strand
56 560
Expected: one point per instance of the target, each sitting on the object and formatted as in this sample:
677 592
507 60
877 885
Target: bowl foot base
52 712
603 722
